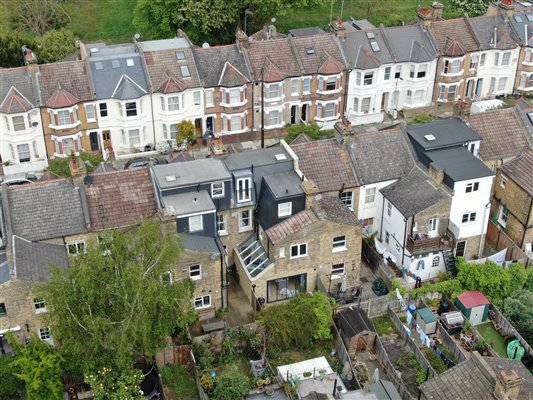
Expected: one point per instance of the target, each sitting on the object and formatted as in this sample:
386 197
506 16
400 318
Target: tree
157 19
231 385
11 48
39 366
116 299
517 308
109 384
186 132
39 15
56 45
11 387
471 7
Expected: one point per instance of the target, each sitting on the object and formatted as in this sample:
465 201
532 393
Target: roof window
115 63
370 35
375 47
180 55
280 157
185 71
129 62
517 18
98 65
430 137
310 50
170 178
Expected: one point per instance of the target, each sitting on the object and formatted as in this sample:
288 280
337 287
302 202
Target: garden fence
411 343
508 329
375 262
376 306
343 355
450 344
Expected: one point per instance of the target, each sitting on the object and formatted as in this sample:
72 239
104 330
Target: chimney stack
424 16
507 7
242 39
508 385
30 59
338 28
438 8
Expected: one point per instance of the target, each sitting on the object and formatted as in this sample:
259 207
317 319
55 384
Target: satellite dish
273 19
205 45
136 36
34 124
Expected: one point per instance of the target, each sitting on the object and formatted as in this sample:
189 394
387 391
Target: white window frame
222 222
370 195
197 98
347 198
436 261
366 102
195 272
270 123
368 78
506 58
295 87
389 209
174 103
503 215
268 91
196 223
25 147
166 278
209 101
306 85
503 182
90 112
472 187
387 73
451 68
217 190
285 209
202 300
339 243
470 217
248 219
338 269
134 109
102 108
45 335
301 250
433 224
185 72
502 83
79 245
17 124
244 189
40 305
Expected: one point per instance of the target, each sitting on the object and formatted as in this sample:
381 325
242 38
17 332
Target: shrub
421 119
312 130
202 354
231 385
59 166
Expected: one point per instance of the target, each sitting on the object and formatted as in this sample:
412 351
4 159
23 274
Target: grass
319 349
383 325
177 377
493 338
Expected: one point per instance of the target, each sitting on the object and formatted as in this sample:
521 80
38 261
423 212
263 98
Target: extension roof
221 66
189 173
32 260
446 132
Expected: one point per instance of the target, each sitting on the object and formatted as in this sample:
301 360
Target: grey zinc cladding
190 173
21 80
45 210
284 184
413 193
211 61
380 156
107 78
411 43
189 203
33 260
447 132
261 157
459 164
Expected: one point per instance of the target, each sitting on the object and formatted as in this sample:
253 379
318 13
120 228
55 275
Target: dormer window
244 189
217 189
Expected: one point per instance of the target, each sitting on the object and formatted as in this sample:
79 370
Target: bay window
23 152
63 117
368 78
66 117
131 109
273 91
452 67
18 123
174 103
365 105
273 118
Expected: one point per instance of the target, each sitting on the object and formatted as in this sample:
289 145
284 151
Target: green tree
56 45
186 132
39 16
39 366
11 48
471 7
517 308
157 19
109 384
118 300
11 387
231 385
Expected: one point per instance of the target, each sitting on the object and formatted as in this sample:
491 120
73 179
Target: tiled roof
44 210
213 61
326 56
502 132
61 99
498 364
171 85
358 51
160 64
271 72
120 198
102 168
278 52
70 75
454 36
23 81
291 225
333 209
301 139
33 260
325 163
267 33
330 66
15 103
505 37
473 298
520 171
231 76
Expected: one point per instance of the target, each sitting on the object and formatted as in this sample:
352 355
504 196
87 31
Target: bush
231 385
203 355
436 362
421 119
178 378
59 166
11 387
91 160
312 130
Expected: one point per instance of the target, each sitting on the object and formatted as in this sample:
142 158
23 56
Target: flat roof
257 158
442 133
164 44
188 173
189 203
284 184
459 164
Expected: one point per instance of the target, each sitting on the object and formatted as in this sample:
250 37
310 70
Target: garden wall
376 306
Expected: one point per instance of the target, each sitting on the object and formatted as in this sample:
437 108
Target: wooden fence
411 343
344 356
375 262
499 240
450 344
508 329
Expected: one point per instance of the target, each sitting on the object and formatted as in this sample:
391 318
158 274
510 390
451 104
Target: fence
508 329
499 240
344 356
376 306
375 262
450 344
410 343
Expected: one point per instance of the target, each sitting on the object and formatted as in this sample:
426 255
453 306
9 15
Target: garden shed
426 320
356 329
474 305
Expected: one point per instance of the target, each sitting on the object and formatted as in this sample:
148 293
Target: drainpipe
525 225
382 208
404 239
485 222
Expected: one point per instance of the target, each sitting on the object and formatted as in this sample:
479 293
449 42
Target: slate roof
454 37
505 36
32 260
102 168
189 202
62 99
14 102
291 225
411 43
278 52
212 62
519 22
498 364
327 53
301 32
127 89
44 210
447 132
267 33
390 147
472 298
71 76
459 164
201 243
502 132
358 51
284 184
19 78
259 157
190 173
413 193
326 163
120 198
520 171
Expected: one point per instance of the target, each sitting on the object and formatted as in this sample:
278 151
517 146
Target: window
174 103
412 71
468 217
196 96
503 182
422 70
331 83
234 96
389 208
358 78
89 112
285 288
273 91
174 131
166 278
299 250
367 222
217 189
365 105
329 110
244 189
202 302
284 209
44 333
245 220
506 58
24 152
435 262
502 83
103 110
355 104
134 136
295 87
196 223
472 187
387 237
76 248
306 85
526 81
504 215
370 195
337 269
451 92
496 58
473 61
3 310
528 59
432 224
482 59
209 98
347 199
185 71
131 109
18 123
281 252
63 117
339 243
492 84
273 118
368 78
195 272
222 224
452 66
40 307
386 76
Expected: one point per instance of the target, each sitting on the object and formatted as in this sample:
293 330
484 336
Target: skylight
280 157
180 55
98 65
310 50
430 137
115 63
370 35
375 47
185 71
129 62
529 17
170 178
517 18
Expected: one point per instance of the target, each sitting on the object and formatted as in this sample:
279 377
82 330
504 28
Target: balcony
420 243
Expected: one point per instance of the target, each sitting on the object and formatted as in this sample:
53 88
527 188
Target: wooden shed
474 305
426 320
356 329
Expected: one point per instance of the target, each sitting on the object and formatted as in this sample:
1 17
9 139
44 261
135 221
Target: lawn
177 378
383 325
493 338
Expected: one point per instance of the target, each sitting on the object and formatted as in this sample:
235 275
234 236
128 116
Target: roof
326 56
221 65
164 44
284 184
446 132
426 315
71 76
326 163
24 83
120 198
523 26
102 168
413 193
189 173
291 225
267 33
45 210
201 243
189 202
4 268
352 321
333 209
472 298
32 260
411 43
15 102
259 157
495 29
300 32
454 37
127 89
358 50
498 364
392 150
277 52
459 164
502 132
520 171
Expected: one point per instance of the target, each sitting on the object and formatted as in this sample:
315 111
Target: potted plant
482 346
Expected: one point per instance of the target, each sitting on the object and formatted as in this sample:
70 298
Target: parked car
19 179
143 162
